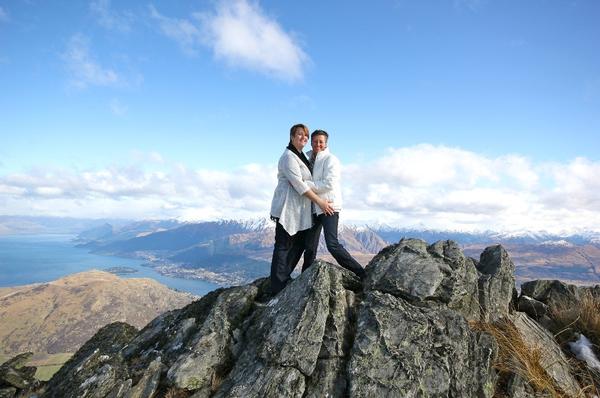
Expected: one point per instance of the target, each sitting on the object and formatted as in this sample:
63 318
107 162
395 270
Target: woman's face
318 143
299 139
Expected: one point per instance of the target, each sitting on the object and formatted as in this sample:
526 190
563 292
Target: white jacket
326 178
289 203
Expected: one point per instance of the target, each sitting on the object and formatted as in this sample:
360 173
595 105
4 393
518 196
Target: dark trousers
286 253
329 224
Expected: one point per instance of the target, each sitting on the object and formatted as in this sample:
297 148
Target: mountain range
234 252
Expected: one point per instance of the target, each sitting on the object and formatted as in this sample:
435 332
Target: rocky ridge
408 330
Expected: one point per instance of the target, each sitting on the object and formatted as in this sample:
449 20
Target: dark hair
319 132
298 126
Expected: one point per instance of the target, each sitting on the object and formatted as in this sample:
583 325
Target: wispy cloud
241 35
182 31
436 186
3 15
84 69
471 5
117 107
110 19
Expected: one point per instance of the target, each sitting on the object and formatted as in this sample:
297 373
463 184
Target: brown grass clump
515 356
176 393
583 318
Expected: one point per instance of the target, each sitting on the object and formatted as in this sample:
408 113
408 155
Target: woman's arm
323 204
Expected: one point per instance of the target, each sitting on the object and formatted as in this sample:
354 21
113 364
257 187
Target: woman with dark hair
291 208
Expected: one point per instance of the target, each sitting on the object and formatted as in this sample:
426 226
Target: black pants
329 224
286 253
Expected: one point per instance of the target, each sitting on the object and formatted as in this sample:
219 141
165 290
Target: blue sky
448 113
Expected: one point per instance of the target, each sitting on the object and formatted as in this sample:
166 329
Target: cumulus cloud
240 34
84 69
175 191
109 18
424 185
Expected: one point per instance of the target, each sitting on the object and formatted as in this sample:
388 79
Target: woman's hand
326 207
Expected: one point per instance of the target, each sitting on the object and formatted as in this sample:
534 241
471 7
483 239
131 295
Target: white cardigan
289 203
326 178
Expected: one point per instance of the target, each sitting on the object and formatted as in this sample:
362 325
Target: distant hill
59 316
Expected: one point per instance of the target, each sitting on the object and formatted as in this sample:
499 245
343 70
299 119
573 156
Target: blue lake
26 259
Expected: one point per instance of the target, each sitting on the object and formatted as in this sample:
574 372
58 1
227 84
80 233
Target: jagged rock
532 307
415 271
405 332
496 284
209 351
148 384
552 359
15 377
120 389
96 368
406 350
8 392
516 387
283 346
554 293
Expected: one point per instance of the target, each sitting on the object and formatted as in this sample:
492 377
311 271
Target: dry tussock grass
176 393
583 318
517 357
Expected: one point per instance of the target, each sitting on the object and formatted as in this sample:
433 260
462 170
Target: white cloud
433 186
84 69
242 35
109 18
3 15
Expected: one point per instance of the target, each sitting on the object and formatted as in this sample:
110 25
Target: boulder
496 283
404 350
415 271
552 358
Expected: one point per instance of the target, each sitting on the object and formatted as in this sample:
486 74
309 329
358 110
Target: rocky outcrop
16 377
407 331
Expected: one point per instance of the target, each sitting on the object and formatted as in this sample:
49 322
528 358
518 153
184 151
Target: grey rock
17 361
496 284
261 381
209 351
120 389
406 350
532 307
8 392
552 359
148 384
440 272
96 368
516 387
14 372
554 293
286 337
328 379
